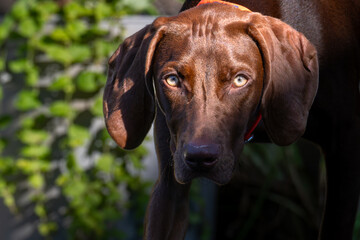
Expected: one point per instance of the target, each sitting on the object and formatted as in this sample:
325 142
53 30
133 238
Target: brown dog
207 75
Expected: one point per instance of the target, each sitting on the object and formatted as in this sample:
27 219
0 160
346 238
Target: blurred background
62 176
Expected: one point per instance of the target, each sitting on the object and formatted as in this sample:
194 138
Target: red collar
242 8
249 134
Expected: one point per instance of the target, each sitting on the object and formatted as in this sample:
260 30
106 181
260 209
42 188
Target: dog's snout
201 156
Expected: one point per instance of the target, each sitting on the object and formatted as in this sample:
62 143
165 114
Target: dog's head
210 70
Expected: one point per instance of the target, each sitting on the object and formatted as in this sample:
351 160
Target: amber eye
172 81
239 81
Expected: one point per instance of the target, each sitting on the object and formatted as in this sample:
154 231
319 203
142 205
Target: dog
217 74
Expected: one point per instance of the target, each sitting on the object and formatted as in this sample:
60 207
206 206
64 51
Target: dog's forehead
196 33
207 36
207 20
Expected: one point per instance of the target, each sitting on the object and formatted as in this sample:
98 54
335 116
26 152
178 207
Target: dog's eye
239 81
172 81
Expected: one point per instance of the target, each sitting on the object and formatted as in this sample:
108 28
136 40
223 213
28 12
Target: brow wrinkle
204 91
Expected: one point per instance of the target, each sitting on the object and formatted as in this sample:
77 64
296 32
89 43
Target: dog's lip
186 175
205 175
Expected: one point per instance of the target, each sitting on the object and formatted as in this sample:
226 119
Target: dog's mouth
217 169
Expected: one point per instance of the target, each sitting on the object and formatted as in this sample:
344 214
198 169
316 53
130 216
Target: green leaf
76 189
27 100
5 120
47 228
36 180
45 10
46 7
103 49
62 180
30 136
71 162
20 10
57 53
102 10
86 82
2 185
1 95
19 66
74 10
67 55
101 79
40 210
27 27
63 83
140 6
2 145
35 151
136 161
7 163
61 109
75 29
59 34
80 53
30 166
32 76
97 107
77 135
105 163
2 64
5 27
6 193
93 199
27 122
98 30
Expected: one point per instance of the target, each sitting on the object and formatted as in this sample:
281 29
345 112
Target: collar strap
242 8
249 134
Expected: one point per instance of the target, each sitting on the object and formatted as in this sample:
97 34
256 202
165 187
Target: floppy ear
128 102
291 77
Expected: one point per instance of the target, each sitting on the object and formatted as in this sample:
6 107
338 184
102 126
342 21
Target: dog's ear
128 103
290 77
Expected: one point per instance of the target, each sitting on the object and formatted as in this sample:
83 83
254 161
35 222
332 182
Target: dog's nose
201 157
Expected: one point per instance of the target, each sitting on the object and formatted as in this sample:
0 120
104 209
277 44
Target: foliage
52 134
287 187
54 58
276 193
357 227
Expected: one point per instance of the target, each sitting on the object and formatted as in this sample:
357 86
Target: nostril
209 161
200 160
201 156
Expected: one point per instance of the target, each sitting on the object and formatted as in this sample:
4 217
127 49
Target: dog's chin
188 177
220 175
